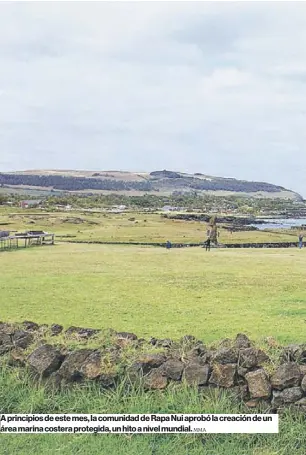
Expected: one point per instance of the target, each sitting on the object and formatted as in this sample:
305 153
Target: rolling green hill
157 182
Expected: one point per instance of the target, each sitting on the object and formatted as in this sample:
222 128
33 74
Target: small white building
30 203
118 208
170 208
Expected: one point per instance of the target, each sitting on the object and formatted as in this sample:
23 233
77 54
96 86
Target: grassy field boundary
186 245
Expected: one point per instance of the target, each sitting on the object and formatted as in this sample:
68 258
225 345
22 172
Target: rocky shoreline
234 220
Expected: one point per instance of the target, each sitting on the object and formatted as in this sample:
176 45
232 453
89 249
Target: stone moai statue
213 229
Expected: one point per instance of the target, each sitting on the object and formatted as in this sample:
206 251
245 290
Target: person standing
168 244
208 244
301 240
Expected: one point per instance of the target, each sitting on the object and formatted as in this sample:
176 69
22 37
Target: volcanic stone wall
61 358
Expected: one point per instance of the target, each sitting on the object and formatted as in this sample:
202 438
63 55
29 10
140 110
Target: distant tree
3 199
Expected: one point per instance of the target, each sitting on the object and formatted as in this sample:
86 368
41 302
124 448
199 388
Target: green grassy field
155 292
152 292
127 227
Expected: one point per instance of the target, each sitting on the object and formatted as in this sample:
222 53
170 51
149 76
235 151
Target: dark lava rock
197 375
153 341
81 332
30 326
173 369
7 329
23 339
56 329
225 355
197 351
262 357
163 343
286 375
242 371
71 368
144 364
200 360
286 396
303 384
223 375
91 367
258 383
155 380
242 341
248 358
6 343
149 361
45 360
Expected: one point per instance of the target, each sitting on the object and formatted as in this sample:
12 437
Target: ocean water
281 223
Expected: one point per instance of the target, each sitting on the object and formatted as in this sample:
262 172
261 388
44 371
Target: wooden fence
25 240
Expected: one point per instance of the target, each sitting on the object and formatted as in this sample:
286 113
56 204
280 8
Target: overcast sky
217 88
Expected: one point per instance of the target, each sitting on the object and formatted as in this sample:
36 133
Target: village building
32 203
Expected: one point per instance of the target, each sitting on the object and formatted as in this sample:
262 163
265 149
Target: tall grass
18 394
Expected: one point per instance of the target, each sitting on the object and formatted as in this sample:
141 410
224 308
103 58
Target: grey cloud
207 87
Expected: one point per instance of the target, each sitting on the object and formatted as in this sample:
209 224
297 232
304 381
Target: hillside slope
161 182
